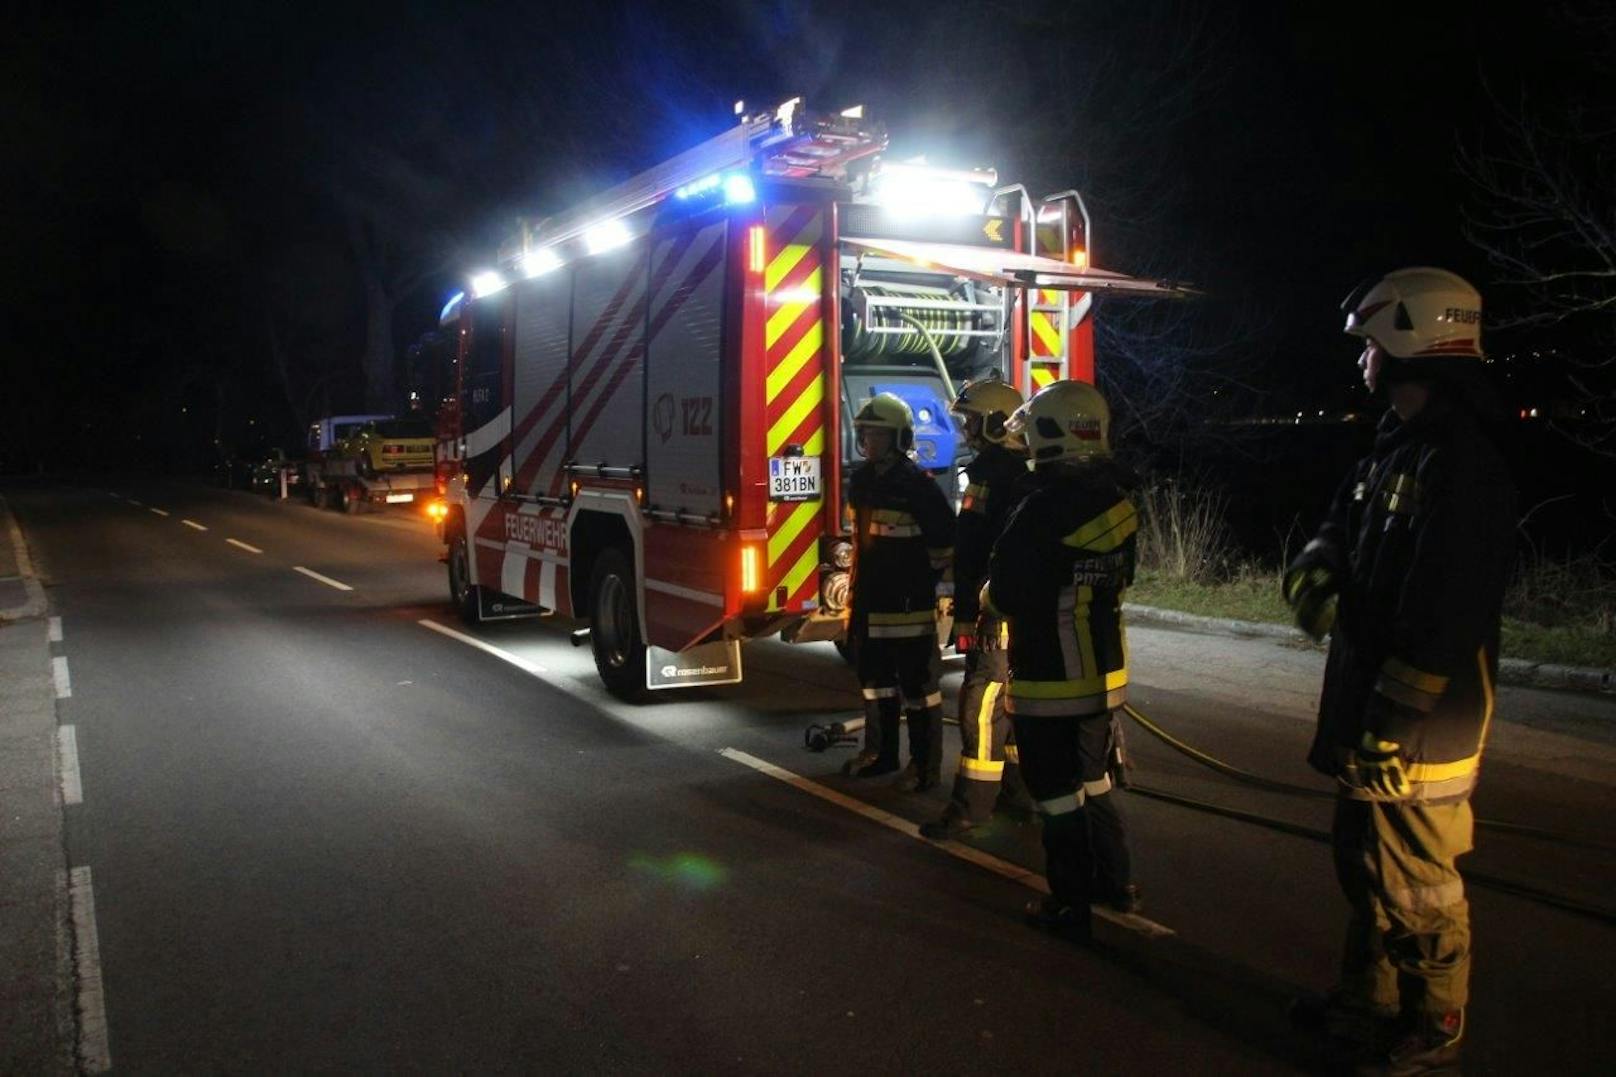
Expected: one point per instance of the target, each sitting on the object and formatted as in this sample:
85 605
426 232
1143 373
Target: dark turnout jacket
903 532
1058 573
1419 540
993 483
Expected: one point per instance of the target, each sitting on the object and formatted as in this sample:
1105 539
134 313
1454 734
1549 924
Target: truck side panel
539 371
684 370
608 347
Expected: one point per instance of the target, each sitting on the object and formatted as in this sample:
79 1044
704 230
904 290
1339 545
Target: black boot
1058 918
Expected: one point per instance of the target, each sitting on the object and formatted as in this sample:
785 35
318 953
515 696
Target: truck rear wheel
462 592
614 626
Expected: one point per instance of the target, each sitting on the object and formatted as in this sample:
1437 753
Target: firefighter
987 762
903 551
1407 577
1057 575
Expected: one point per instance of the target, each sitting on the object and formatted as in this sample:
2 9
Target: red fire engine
652 417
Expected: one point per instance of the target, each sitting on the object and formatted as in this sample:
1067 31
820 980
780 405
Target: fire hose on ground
822 737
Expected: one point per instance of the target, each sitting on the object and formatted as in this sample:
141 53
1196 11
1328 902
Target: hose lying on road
1491 882
1258 781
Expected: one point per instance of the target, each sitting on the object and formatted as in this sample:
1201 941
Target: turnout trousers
902 674
989 759
1064 761
1408 935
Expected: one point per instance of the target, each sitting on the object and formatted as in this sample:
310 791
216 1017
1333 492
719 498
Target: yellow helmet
992 401
886 411
1068 420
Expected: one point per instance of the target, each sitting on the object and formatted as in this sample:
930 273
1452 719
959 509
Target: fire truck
652 418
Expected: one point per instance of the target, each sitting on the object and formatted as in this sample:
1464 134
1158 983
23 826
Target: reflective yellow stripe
984 723
807 564
1417 679
911 617
892 516
1068 689
801 516
982 769
1012 754
1106 531
1048 335
1085 633
807 402
781 265
796 359
786 315
1441 772
976 489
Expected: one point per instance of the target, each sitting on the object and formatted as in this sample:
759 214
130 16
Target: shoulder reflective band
1106 531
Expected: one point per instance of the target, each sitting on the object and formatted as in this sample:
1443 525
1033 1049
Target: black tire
463 594
614 626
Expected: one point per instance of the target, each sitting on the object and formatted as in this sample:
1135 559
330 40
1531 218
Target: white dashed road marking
67 751
1013 872
136 504
64 683
472 641
55 631
159 512
193 523
94 1055
327 580
242 545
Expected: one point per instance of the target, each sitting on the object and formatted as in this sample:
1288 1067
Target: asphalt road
325 836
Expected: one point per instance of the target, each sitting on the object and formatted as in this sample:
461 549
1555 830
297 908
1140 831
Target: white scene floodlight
606 235
539 261
486 282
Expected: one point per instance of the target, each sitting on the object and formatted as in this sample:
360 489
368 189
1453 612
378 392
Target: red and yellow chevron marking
1044 374
1046 323
794 388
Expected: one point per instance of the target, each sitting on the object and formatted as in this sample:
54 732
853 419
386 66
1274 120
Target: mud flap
718 662
495 606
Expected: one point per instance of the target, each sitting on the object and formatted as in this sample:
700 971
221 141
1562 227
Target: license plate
394 499
793 478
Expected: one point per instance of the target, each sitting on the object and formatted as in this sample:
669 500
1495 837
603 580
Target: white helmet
1068 420
1419 313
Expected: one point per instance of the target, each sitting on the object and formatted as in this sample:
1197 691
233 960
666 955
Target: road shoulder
36 1008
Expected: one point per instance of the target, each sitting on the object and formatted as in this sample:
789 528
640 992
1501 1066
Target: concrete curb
1512 671
33 603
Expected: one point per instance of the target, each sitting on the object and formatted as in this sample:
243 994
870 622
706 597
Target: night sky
186 180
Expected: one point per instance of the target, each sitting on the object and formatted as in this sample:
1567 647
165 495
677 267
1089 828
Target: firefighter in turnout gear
903 550
987 766
1407 575
1057 574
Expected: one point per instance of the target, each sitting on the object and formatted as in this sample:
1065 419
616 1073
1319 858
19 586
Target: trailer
361 462
651 427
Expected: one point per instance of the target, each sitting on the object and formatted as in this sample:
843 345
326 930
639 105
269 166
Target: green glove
1310 591
1380 767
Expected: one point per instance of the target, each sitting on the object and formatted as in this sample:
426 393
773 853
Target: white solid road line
244 546
94 1055
472 641
136 504
1014 872
55 632
193 523
64 683
159 512
327 580
67 751
67 744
